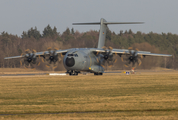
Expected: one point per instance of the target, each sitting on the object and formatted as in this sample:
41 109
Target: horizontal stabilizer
92 23
123 22
106 23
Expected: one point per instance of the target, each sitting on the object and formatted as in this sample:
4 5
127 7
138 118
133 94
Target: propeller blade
56 48
20 63
125 65
31 65
140 62
34 51
97 60
42 60
137 49
21 54
97 53
141 56
122 59
47 66
27 50
39 64
49 48
110 66
54 67
61 55
115 60
103 66
130 48
104 47
26 62
110 48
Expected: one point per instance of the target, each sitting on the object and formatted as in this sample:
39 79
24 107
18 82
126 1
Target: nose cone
70 62
29 60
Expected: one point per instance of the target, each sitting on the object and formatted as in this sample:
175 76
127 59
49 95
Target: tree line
165 43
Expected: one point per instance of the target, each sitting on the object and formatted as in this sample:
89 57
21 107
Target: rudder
102 34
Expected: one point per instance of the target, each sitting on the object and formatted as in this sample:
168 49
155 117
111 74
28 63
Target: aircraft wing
126 51
40 54
121 51
13 57
155 54
143 53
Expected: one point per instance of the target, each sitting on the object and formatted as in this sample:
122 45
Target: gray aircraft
78 60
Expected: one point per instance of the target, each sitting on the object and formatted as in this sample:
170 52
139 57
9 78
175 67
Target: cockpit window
75 55
70 55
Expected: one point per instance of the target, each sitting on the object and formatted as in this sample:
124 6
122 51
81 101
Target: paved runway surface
32 74
85 73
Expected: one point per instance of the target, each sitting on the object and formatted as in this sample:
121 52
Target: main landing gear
98 73
72 72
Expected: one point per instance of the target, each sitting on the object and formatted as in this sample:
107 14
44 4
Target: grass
111 96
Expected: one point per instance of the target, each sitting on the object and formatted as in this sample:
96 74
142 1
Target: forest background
165 43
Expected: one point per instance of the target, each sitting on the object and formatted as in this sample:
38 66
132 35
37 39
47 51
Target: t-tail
103 27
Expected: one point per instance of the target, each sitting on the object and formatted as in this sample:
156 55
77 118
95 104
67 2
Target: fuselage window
75 55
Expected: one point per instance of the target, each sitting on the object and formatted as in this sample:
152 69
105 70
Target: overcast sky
20 15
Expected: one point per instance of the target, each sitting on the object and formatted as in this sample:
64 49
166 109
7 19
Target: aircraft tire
95 73
98 73
76 73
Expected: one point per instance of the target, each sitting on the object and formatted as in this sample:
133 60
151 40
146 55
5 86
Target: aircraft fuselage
82 60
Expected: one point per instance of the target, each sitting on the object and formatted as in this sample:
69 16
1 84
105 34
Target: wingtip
6 58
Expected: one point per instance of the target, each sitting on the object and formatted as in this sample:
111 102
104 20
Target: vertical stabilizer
102 34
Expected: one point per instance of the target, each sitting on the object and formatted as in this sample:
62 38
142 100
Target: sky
20 15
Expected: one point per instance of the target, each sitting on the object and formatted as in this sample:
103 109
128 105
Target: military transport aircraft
78 60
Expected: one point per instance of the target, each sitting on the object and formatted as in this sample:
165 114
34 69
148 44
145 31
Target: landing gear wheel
73 72
95 73
98 73
76 73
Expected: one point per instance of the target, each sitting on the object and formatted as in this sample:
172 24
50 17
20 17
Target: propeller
51 58
132 58
30 59
107 58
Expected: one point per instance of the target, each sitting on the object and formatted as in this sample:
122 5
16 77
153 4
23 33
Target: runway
52 74
32 74
123 72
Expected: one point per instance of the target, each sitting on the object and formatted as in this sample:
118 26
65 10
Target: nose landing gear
98 73
72 72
